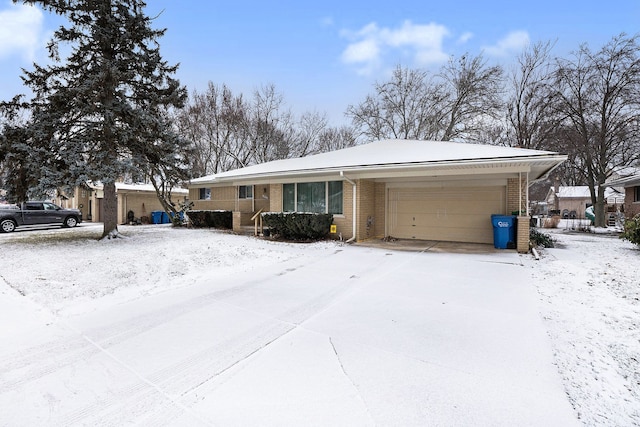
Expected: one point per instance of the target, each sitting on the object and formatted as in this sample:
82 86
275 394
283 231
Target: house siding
631 206
516 202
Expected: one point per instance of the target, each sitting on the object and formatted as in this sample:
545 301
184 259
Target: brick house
407 189
631 185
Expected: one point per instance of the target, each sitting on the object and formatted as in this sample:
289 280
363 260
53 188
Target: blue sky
326 55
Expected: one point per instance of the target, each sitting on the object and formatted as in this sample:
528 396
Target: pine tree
101 113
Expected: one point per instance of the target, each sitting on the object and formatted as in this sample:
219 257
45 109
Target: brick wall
513 192
366 205
522 234
631 208
344 222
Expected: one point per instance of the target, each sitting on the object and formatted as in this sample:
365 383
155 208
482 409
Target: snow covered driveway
187 327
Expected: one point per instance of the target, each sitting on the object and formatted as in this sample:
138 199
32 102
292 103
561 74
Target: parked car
37 213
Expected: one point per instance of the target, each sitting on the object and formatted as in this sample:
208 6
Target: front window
205 194
636 194
314 197
245 192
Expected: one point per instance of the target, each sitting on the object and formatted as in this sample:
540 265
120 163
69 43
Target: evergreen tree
101 113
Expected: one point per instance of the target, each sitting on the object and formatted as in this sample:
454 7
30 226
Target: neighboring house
631 185
428 190
141 199
572 201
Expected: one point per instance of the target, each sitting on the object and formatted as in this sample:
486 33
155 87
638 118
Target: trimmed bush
298 226
210 219
540 239
632 230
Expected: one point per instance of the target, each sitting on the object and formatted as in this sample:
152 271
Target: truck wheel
70 221
7 226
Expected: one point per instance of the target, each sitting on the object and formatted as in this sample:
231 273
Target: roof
628 181
582 192
121 186
388 157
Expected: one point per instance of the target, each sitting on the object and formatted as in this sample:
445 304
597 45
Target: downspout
353 184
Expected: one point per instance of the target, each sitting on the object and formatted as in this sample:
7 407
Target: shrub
211 219
540 239
298 226
551 222
632 230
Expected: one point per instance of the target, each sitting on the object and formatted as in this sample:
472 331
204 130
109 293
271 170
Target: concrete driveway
361 336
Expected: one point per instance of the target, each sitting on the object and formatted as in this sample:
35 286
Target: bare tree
269 127
599 95
473 98
307 134
336 138
532 114
214 123
409 106
457 103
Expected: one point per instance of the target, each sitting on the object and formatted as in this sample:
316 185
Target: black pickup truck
37 213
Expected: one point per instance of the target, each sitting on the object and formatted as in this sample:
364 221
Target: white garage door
447 214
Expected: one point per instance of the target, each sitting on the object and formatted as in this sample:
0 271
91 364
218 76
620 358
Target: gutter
353 184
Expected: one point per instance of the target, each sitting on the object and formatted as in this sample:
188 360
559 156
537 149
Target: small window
245 192
636 197
205 194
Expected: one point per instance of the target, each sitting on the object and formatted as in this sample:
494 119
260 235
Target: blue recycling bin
156 217
165 218
503 230
180 215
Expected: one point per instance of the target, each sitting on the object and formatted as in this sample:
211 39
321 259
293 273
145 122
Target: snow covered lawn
197 327
589 287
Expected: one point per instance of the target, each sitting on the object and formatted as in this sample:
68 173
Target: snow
201 327
381 155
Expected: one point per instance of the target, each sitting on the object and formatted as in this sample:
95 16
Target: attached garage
458 214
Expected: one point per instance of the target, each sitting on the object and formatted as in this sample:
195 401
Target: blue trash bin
165 218
180 215
503 230
156 217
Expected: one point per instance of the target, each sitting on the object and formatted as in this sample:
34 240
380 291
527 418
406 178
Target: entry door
446 214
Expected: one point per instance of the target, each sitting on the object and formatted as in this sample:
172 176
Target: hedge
211 219
632 230
298 226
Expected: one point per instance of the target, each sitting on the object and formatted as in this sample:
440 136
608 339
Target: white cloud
512 43
327 21
20 31
369 44
465 37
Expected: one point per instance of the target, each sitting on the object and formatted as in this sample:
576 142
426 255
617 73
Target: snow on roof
383 154
145 187
582 192
136 187
628 181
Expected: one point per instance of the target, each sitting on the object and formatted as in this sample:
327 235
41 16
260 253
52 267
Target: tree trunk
110 205
599 208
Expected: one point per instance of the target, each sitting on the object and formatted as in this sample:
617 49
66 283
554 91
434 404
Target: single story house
141 199
407 189
572 201
631 185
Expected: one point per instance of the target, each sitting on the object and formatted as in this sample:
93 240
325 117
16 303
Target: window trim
246 187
